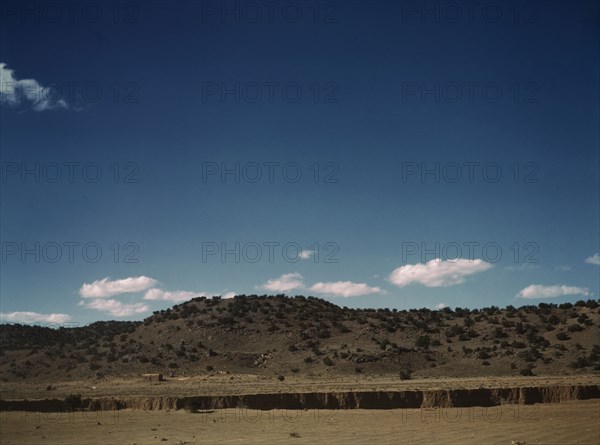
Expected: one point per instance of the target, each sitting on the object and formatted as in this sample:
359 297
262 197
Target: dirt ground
573 422
231 384
566 423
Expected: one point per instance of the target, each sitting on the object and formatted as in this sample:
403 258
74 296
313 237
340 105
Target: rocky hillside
280 335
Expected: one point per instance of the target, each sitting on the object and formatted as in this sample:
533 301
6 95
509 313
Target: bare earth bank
576 422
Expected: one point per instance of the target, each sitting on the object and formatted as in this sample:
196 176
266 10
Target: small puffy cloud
116 308
594 259
437 273
563 268
559 290
14 92
344 289
32 317
440 305
306 254
107 288
228 295
284 283
178 295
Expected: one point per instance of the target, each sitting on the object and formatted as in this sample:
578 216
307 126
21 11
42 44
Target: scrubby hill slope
282 335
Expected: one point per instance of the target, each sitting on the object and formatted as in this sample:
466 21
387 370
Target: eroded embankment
321 400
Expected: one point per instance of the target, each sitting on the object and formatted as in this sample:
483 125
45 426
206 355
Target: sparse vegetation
307 334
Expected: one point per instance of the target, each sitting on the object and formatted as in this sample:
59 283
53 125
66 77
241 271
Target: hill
272 335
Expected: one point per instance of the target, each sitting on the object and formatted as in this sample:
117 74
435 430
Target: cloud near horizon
437 273
559 290
178 295
32 317
108 288
594 259
116 308
285 283
14 92
344 289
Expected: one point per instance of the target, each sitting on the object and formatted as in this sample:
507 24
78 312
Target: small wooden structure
153 377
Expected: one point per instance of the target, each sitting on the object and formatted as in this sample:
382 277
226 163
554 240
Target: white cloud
31 317
16 92
344 289
178 295
541 291
116 308
306 254
438 273
284 283
107 288
181 295
594 259
440 305
564 268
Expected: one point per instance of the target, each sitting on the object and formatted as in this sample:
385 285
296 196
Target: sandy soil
230 384
566 423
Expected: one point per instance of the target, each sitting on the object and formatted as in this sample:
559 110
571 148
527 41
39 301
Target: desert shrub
323 333
173 365
499 333
483 355
526 372
553 319
95 366
531 355
562 336
308 360
592 304
405 374
327 361
423 342
575 328
580 362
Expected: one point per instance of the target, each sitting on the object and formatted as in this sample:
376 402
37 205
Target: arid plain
279 370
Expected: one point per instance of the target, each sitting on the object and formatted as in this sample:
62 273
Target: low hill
273 335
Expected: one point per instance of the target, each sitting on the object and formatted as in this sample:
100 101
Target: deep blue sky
372 64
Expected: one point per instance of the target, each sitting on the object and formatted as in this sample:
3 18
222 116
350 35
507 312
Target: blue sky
149 151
